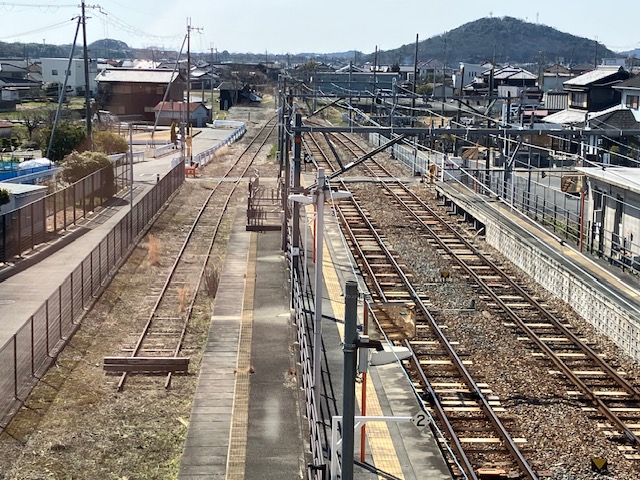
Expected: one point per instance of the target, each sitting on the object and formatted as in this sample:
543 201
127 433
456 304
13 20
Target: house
630 95
593 91
55 70
168 112
590 95
554 77
135 92
612 216
232 93
467 74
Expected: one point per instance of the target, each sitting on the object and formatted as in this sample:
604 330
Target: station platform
247 416
584 265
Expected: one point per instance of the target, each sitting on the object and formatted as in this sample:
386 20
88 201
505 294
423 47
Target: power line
39 30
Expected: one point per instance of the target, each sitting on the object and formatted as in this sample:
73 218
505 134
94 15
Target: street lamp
318 198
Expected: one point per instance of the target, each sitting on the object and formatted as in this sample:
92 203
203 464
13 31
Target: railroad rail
600 385
597 381
161 341
466 410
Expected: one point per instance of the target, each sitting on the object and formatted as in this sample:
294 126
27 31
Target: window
578 99
54 72
633 101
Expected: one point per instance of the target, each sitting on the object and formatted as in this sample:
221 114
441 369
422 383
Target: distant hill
632 53
506 39
109 48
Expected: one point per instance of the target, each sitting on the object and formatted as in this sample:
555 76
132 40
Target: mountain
109 48
631 53
505 40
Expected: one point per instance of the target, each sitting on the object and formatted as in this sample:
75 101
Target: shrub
78 165
68 137
4 196
108 142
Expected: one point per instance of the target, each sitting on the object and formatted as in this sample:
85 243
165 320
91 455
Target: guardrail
205 157
34 348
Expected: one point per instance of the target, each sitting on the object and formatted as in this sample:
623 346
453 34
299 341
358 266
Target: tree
4 196
68 137
109 143
76 166
32 119
395 67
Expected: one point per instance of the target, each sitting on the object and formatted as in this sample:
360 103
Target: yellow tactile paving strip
240 417
380 443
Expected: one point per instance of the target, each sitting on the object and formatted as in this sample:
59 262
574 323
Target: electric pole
188 112
415 83
87 94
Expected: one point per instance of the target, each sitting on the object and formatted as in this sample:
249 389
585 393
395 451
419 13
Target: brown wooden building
132 93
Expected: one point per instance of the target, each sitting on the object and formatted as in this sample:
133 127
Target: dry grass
222 151
183 292
211 282
153 250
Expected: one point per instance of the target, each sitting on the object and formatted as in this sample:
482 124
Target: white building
631 95
467 74
54 70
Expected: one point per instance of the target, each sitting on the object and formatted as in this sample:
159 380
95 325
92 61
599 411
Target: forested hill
505 40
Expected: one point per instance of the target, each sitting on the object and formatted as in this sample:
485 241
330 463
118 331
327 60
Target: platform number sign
420 420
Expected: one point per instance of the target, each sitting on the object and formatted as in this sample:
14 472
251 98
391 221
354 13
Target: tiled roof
137 75
621 119
633 82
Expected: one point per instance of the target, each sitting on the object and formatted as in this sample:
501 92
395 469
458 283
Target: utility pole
415 83
188 112
87 95
211 79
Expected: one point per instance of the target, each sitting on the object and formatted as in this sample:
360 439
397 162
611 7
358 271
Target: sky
288 26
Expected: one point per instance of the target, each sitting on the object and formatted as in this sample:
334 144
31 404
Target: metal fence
24 228
303 319
534 193
30 352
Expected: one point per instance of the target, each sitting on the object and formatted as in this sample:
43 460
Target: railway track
484 440
608 398
162 336
466 409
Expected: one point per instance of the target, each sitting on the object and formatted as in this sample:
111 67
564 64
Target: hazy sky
287 26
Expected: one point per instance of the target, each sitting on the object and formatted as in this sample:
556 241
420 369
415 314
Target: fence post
81 284
75 202
55 216
19 246
64 208
15 367
46 333
71 297
33 362
60 301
